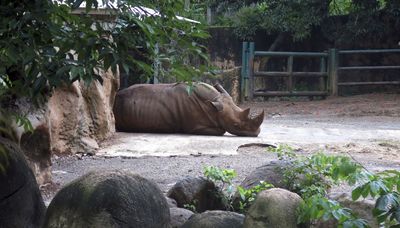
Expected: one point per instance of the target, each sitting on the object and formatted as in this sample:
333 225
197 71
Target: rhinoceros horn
221 89
258 119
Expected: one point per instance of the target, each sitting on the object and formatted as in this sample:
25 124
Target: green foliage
318 207
221 177
311 176
247 196
191 206
224 177
248 21
23 121
340 7
43 45
385 187
298 18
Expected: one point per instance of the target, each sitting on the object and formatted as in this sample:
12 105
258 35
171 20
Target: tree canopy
44 44
297 18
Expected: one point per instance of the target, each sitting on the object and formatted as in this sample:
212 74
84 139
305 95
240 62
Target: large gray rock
273 208
198 192
271 172
109 199
179 216
215 219
21 204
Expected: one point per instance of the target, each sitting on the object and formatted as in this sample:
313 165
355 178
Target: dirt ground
371 111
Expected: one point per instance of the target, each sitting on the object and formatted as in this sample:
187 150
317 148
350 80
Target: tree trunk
278 40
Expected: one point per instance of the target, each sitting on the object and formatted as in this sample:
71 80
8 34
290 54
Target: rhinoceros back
164 108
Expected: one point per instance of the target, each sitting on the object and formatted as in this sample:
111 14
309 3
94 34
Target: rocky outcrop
109 199
198 192
215 219
274 207
80 115
75 119
21 204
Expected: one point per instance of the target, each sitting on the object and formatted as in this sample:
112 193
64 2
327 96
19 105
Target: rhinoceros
173 108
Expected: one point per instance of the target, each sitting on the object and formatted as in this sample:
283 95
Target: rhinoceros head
234 119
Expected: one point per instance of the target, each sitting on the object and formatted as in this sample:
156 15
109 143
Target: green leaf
356 193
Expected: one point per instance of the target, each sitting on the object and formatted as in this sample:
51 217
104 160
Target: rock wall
81 115
75 119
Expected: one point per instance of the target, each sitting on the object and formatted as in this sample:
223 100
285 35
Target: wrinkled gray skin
171 108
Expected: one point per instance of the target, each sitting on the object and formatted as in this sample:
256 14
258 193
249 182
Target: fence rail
329 73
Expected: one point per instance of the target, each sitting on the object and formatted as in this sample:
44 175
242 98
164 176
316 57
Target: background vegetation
43 45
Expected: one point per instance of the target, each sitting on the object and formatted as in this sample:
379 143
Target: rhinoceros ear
217 105
244 115
257 121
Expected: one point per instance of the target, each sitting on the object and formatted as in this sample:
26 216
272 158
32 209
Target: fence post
290 71
323 81
245 70
251 70
333 71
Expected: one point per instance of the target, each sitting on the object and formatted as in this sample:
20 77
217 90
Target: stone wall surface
75 119
81 115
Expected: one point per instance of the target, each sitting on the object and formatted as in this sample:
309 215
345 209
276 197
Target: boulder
179 216
171 202
271 172
273 208
21 204
109 199
215 219
198 192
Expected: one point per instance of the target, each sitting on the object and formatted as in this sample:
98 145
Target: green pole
251 71
290 71
323 80
333 59
245 70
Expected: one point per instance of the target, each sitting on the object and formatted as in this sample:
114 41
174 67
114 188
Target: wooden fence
328 74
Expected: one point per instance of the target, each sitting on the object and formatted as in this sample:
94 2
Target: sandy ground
365 127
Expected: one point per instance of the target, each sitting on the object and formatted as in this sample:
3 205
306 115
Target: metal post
156 65
251 70
209 15
290 71
322 80
245 69
333 59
